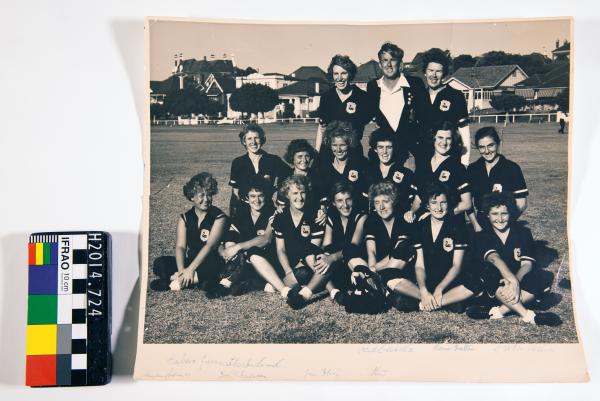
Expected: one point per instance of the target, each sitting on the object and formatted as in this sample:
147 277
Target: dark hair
438 56
299 181
457 145
341 186
256 183
200 182
435 189
254 128
298 145
381 135
345 62
495 199
392 49
383 188
340 129
487 131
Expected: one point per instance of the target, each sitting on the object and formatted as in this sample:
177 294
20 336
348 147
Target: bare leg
317 282
525 299
264 268
456 294
518 307
405 287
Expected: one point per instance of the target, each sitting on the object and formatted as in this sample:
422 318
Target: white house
479 84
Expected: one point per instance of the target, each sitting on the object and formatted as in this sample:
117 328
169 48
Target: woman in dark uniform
256 162
343 102
340 138
493 172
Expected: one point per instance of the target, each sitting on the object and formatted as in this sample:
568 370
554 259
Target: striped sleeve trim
463 122
528 258
463 186
521 193
232 183
365 195
271 219
370 237
461 246
278 233
418 246
488 253
414 187
220 215
402 237
234 228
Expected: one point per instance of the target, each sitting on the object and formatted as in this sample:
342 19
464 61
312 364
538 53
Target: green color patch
46 253
41 309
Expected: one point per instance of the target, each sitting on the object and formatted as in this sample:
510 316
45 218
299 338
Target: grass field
189 317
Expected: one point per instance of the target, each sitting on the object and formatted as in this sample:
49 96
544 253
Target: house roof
304 88
368 71
166 86
193 66
556 77
484 77
310 72
223 84
564 48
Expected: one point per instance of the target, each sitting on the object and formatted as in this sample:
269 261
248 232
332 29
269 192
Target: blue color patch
43 280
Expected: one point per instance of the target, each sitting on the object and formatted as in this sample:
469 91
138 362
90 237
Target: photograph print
358 184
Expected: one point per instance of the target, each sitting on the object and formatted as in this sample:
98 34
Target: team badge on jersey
353 175
444 175
398 177
267 177
444 105
305 230
517 252
497 188
448 244
260 232
204 235
350 107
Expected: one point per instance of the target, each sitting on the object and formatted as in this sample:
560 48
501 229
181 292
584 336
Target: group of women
437 235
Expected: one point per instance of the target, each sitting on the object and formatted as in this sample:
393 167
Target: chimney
212 56
233 60
204 58
317 88
224 56
181 82
557 43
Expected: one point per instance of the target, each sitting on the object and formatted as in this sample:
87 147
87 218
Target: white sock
269 288
175 285
495 313
333 292
529 317
305 292
421 306
225 283
284 291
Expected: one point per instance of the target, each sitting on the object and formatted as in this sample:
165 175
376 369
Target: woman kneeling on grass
508 273
199 233
344 229
387 238
297 240
441 277
250 237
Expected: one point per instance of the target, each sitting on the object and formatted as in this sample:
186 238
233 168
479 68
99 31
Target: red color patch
40 370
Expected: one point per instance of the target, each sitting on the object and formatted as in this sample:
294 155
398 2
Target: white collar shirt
391 101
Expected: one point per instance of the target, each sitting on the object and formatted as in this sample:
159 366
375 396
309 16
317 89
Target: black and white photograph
358 184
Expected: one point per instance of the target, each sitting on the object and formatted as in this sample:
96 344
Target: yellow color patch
41 339
39 254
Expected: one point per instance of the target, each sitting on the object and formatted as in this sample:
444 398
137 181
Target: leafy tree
157 111
253 98
534 63
507 102
186 101
464 60
562 100
288 111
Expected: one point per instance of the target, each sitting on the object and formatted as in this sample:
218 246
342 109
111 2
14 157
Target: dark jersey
356 109
297 237
450 172
318 194
270 167
243 228
355 172
438 255
449 104
519 246
341 237
385 243
402 177
505 176
197 235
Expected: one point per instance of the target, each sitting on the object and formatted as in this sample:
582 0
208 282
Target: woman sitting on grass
344 229
297 239
441 279
256 162
199 232
250 238
506 252
387 238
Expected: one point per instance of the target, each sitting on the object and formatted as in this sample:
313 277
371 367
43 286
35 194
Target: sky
283 48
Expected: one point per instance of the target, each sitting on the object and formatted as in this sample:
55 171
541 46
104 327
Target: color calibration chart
68 317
